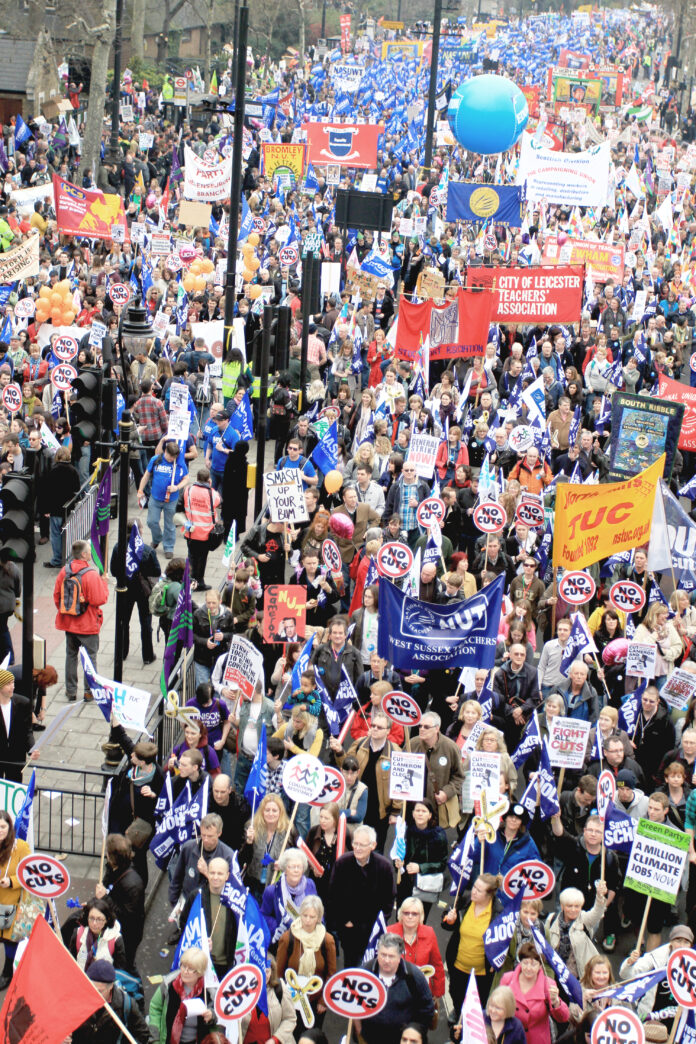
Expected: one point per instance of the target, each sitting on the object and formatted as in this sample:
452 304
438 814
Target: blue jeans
201 673
154 510
216 480
56 529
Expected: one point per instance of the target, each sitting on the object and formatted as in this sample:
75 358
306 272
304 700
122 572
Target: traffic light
85 405
109 421
16 517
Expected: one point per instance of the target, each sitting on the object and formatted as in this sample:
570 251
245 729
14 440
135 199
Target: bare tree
137 32
101 37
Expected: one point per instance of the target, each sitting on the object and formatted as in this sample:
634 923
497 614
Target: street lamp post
133 334
125 431
432 89
236 184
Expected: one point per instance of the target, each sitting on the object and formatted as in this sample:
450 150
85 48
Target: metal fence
79 513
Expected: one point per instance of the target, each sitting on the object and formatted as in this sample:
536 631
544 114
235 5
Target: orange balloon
247 251
45 292
57 316
64 285
189 282
42 314
199 282
67 296
254 263
253 239
68 317
195 266
207 265
254 291
56 300
333 480
247 274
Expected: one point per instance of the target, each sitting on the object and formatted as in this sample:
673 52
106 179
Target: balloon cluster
195 278
56 303
251 263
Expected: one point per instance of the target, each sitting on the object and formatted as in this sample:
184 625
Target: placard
536 878
43 875
485 776
567 742
576 587
489 517
394 559
407 776
160 243
606 792
401 708
12 397
178 397
194 213
303 778
179 425
355 993
627 596
641 660
284 612
679 689
618 1025
244 666
430 511
422 451
285 495
657 860
239 992
334 787
681 975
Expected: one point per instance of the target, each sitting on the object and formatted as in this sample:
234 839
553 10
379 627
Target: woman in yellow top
12 852
472 914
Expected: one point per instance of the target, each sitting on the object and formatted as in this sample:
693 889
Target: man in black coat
614 760
16 735
138 589
195 857
100 1028
362 884
515 695
409 998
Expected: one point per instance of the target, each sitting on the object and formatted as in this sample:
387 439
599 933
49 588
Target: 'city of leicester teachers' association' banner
415 634
21 262
206 182
83 213
573 179
348 144
594 522
532 295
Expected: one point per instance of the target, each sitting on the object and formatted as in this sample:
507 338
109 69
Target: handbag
428 885
8 912
29 908
217 533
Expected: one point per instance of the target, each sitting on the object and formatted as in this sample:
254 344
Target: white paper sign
407 776
568 742
422 451
485 776
641 660
179 425
285 495
178 398
679 689
244 666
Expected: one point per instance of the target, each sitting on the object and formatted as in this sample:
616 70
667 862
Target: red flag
49 996
412 326
675 391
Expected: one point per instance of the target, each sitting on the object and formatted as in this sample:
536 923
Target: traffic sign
536 878
627 596
43 875
576 588
62 376
65 348
331 556
401 708
490 517
334 787
120 293
394 560
355 993
12 397
681 975
429 511
239 992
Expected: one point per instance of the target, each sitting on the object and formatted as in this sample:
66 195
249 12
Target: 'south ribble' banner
83 213
532 295
348 144
594 522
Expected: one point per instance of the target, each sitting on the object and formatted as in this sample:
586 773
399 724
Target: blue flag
630 709
243 419
575 426
134 551
22 132
325 454
178 824
23 819
566 980
103 695
414 634
496 938
247 224
631 990
529 742
257 783
259 939
579 642
194 933
337 710
549 805
378 930
432 551
506 198
301 664
461 863
234 894
619 829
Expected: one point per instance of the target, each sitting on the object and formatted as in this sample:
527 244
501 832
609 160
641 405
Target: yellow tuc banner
593 522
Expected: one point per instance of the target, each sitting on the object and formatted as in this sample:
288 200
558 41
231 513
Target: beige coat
581 943
281 1015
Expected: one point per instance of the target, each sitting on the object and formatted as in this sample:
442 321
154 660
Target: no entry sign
617 1026
430 511
394 560
489 517
534 877
576 588
355 993
238 992
43 875
681 975
401 708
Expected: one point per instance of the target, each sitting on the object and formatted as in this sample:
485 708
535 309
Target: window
186 36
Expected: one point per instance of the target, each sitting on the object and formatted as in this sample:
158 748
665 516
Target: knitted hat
5 678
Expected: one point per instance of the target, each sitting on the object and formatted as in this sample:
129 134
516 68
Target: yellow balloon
254 263
333 481
254 291
247 274
253 239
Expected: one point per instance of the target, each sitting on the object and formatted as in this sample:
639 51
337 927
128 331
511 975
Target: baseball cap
682 931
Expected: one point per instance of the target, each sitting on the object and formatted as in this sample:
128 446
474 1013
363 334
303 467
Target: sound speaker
366 210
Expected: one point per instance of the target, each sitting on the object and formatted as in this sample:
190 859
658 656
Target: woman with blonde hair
598 975
168 1015
264 841
500 1017
460 730
365 454
301 735
658 630
309 950
420 942
608 726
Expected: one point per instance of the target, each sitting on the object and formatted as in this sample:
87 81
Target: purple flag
100 519
181 630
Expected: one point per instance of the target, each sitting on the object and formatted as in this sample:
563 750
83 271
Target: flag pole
644 923
287 837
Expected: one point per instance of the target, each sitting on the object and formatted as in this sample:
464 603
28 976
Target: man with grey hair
445 775
193 861
408 995
362 885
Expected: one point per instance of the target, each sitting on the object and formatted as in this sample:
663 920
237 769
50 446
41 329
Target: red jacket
358 728
443 457
424 951
95 588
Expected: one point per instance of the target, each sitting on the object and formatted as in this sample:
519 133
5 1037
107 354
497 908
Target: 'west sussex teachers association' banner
532 295
572 179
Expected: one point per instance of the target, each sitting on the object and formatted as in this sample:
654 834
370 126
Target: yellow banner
279 158
593 522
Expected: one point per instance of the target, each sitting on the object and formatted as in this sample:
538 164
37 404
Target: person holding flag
142 572
582 876
219 919
167 1014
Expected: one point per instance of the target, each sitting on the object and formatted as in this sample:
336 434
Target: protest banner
485 776
642 429
346 144
179 425
283 159
594 522
641 660
455 330
21 262
25 198
284 612
618 1025
195 214
244 666
80 212
531 295
657 860
675 391
422 451
573 179
208 183
605 259
285 495
407 776
679 689
568 742
345 77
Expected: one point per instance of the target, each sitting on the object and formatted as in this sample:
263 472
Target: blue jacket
498 861
272 909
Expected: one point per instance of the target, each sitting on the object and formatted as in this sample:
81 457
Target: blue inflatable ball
487 114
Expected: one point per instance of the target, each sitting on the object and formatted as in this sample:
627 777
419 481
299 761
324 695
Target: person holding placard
473 912
308 949
265 834
279 1025
582 870
425 860
445 774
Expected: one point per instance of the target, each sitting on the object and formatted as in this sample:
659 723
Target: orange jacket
443 457
534 479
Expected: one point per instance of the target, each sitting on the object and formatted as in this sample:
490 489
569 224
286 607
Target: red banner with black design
83 213
532 295
674 391
347 144
456 330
